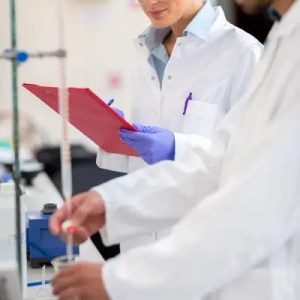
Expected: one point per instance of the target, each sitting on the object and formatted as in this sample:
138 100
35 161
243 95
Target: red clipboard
90 115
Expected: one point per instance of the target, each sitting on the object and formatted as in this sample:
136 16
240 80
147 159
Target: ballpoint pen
110 102
189 97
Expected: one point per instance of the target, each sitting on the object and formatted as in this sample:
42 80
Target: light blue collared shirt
200 26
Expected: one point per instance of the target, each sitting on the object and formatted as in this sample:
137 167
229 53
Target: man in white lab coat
234 211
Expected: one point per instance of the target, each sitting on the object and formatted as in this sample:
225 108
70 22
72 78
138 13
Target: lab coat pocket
200 118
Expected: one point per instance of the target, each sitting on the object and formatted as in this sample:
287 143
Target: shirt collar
200 26
153 36
160 53
273 14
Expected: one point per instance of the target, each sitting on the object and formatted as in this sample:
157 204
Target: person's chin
159 24
159 19
250 7
244 6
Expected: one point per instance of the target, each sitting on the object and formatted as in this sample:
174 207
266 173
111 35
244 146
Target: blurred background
100 55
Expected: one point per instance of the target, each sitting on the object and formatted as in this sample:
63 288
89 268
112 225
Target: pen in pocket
189 97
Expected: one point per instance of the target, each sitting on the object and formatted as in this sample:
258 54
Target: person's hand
82 280
118 111
88 215
153 144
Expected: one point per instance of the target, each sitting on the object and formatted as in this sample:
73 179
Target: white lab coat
241 242
217 72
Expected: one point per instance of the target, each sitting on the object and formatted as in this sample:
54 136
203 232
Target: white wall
99 38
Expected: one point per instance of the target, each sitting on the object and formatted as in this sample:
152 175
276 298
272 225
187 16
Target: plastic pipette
43 293
66 167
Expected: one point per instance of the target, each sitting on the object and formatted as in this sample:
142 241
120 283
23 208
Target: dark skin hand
81 281
88 216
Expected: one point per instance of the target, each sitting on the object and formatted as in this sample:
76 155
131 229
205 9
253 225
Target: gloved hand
153 144
118 111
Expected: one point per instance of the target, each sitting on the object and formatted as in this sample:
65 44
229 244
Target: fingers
139 127
80 214
56 221
80 235
128 136
83 280
87 216
62 214
69 293
152 129
147 129
63 280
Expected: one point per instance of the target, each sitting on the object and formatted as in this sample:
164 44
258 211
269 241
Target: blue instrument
42 246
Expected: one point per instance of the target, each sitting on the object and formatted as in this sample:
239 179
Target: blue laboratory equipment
42 246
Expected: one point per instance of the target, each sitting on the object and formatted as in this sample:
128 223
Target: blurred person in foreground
234 210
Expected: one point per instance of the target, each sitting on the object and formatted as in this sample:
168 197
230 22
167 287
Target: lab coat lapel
146 61
264 66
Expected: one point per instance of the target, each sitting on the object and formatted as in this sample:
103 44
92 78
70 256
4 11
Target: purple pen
189 97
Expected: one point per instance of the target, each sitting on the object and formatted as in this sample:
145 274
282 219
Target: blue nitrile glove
153 144
118 111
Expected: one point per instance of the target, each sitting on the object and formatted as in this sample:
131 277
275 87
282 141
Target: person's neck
282 6
178 28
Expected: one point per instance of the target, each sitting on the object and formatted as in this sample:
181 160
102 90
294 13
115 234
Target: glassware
62 262
43 293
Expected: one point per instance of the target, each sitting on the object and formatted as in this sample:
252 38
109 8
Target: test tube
63 261
43 293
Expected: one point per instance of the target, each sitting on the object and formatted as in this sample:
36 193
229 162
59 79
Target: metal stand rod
16 171
22 56
16 57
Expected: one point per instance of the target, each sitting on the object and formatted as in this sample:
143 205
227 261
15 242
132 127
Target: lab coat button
141 44
152 77
169 77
